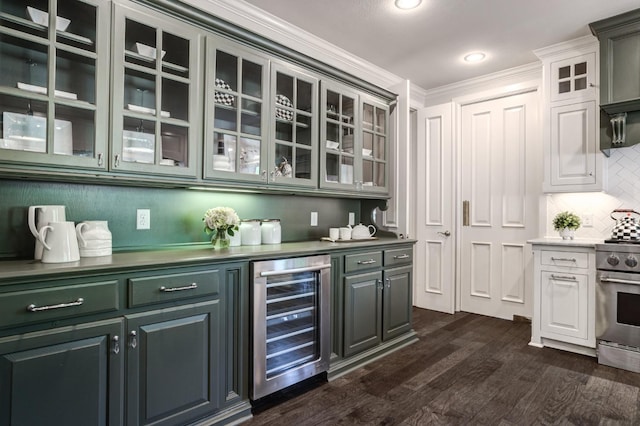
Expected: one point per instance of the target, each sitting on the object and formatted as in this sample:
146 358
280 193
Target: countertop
182 256
557 241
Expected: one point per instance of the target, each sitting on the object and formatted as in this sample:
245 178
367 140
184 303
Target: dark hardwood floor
468 369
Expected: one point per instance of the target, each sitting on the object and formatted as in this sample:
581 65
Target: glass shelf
35 26
169 65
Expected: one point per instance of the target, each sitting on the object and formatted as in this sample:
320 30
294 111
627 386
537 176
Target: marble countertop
557 241
182 256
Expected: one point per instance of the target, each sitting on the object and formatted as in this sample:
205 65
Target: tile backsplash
623 191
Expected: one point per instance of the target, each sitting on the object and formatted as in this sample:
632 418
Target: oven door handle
618 281
295 270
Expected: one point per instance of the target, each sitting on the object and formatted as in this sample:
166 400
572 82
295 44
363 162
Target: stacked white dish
94 238
221 162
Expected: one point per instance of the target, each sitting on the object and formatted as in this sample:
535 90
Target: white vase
567 234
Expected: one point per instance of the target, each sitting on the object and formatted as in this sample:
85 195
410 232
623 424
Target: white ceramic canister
271 231
250 234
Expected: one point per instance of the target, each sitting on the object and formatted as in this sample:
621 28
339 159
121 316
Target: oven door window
628 308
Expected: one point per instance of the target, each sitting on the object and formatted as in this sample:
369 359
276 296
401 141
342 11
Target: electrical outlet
143 219
314 218
587 220
352 218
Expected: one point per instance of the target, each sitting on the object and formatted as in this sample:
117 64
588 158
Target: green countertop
183 256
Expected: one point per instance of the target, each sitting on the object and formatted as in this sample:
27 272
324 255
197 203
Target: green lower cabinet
397 302
172 364
362 312
66 376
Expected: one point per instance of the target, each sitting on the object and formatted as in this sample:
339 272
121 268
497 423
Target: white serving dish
43 90
144 110
367 152
40 17
138 147
148 51
24 132
333 145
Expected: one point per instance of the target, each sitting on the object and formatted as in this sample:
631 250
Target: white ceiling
426 45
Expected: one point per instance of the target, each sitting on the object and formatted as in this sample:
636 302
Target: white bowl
148 51
42 18
333 145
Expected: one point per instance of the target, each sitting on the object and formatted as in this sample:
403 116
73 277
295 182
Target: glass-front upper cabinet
293 152
156 94
54 74
354 140
236 112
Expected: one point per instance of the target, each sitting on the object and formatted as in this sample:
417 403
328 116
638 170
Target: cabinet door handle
388 280
564 259
366 262
116 161
379 285
33 308
115 345
402 256
100 160
133 339
263 175
191 286
564 277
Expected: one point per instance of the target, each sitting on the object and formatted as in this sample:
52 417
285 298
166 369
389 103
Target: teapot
626 227
361 232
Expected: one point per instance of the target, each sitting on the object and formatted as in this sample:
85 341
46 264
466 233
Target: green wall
176 214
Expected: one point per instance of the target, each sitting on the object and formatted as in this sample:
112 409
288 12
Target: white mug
345 233
334 233
59 242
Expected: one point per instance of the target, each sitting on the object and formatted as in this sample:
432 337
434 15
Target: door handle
465 213
445 233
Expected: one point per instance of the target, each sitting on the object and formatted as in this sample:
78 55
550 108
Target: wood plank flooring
468 369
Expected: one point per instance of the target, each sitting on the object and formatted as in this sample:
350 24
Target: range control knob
631 262
613 260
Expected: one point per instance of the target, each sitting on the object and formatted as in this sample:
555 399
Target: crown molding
580 44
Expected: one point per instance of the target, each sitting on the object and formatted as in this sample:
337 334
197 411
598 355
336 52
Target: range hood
619 38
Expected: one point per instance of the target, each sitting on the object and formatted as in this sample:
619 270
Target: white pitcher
59 242
45 214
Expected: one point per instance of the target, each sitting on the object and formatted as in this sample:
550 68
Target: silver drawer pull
164 289
564 259
34 308
563 277
402 256
366 262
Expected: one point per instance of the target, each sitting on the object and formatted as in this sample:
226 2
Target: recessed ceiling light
475 57
407 4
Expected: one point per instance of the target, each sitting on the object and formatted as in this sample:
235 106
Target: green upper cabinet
156 99
54 73
354 140
293 150
236 111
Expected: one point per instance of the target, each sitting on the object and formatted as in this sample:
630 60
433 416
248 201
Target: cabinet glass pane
303 130
23 65
564 72
225 156
580 83
283 160
302 165
175 99
249 156
380 174
74 132
138 141
367 144
75 77
140 44
251 79
17 17
304 96
226 116
176 58
381 120
580 69
347 142
367 173
348 105
81 32
139 92
284 87
284 131
175 146
564 86
251 117
379 150
346 170
333 135
332 167
333 105
226 71
367 117
24 124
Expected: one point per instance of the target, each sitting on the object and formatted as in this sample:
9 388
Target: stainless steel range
618 304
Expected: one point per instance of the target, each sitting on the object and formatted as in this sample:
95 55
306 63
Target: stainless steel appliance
290 321
618 304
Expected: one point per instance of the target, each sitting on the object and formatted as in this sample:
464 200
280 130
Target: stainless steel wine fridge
290 321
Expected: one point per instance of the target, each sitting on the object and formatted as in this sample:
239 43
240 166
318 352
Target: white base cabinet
564 298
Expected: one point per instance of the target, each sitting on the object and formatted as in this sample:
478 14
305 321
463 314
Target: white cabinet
564 298
573 162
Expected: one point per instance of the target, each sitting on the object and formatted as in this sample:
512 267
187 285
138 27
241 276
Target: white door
434 271
500 192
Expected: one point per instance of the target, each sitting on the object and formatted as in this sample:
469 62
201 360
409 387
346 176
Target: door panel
362 305
500 179
396 314
434 283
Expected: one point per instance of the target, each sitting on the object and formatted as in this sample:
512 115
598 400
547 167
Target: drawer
362 261
567 259
53 303
165 288
396 257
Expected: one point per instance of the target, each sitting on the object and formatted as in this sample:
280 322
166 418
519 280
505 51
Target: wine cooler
290 321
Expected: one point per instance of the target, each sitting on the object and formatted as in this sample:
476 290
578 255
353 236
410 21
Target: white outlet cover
314 218
352 218
143 219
